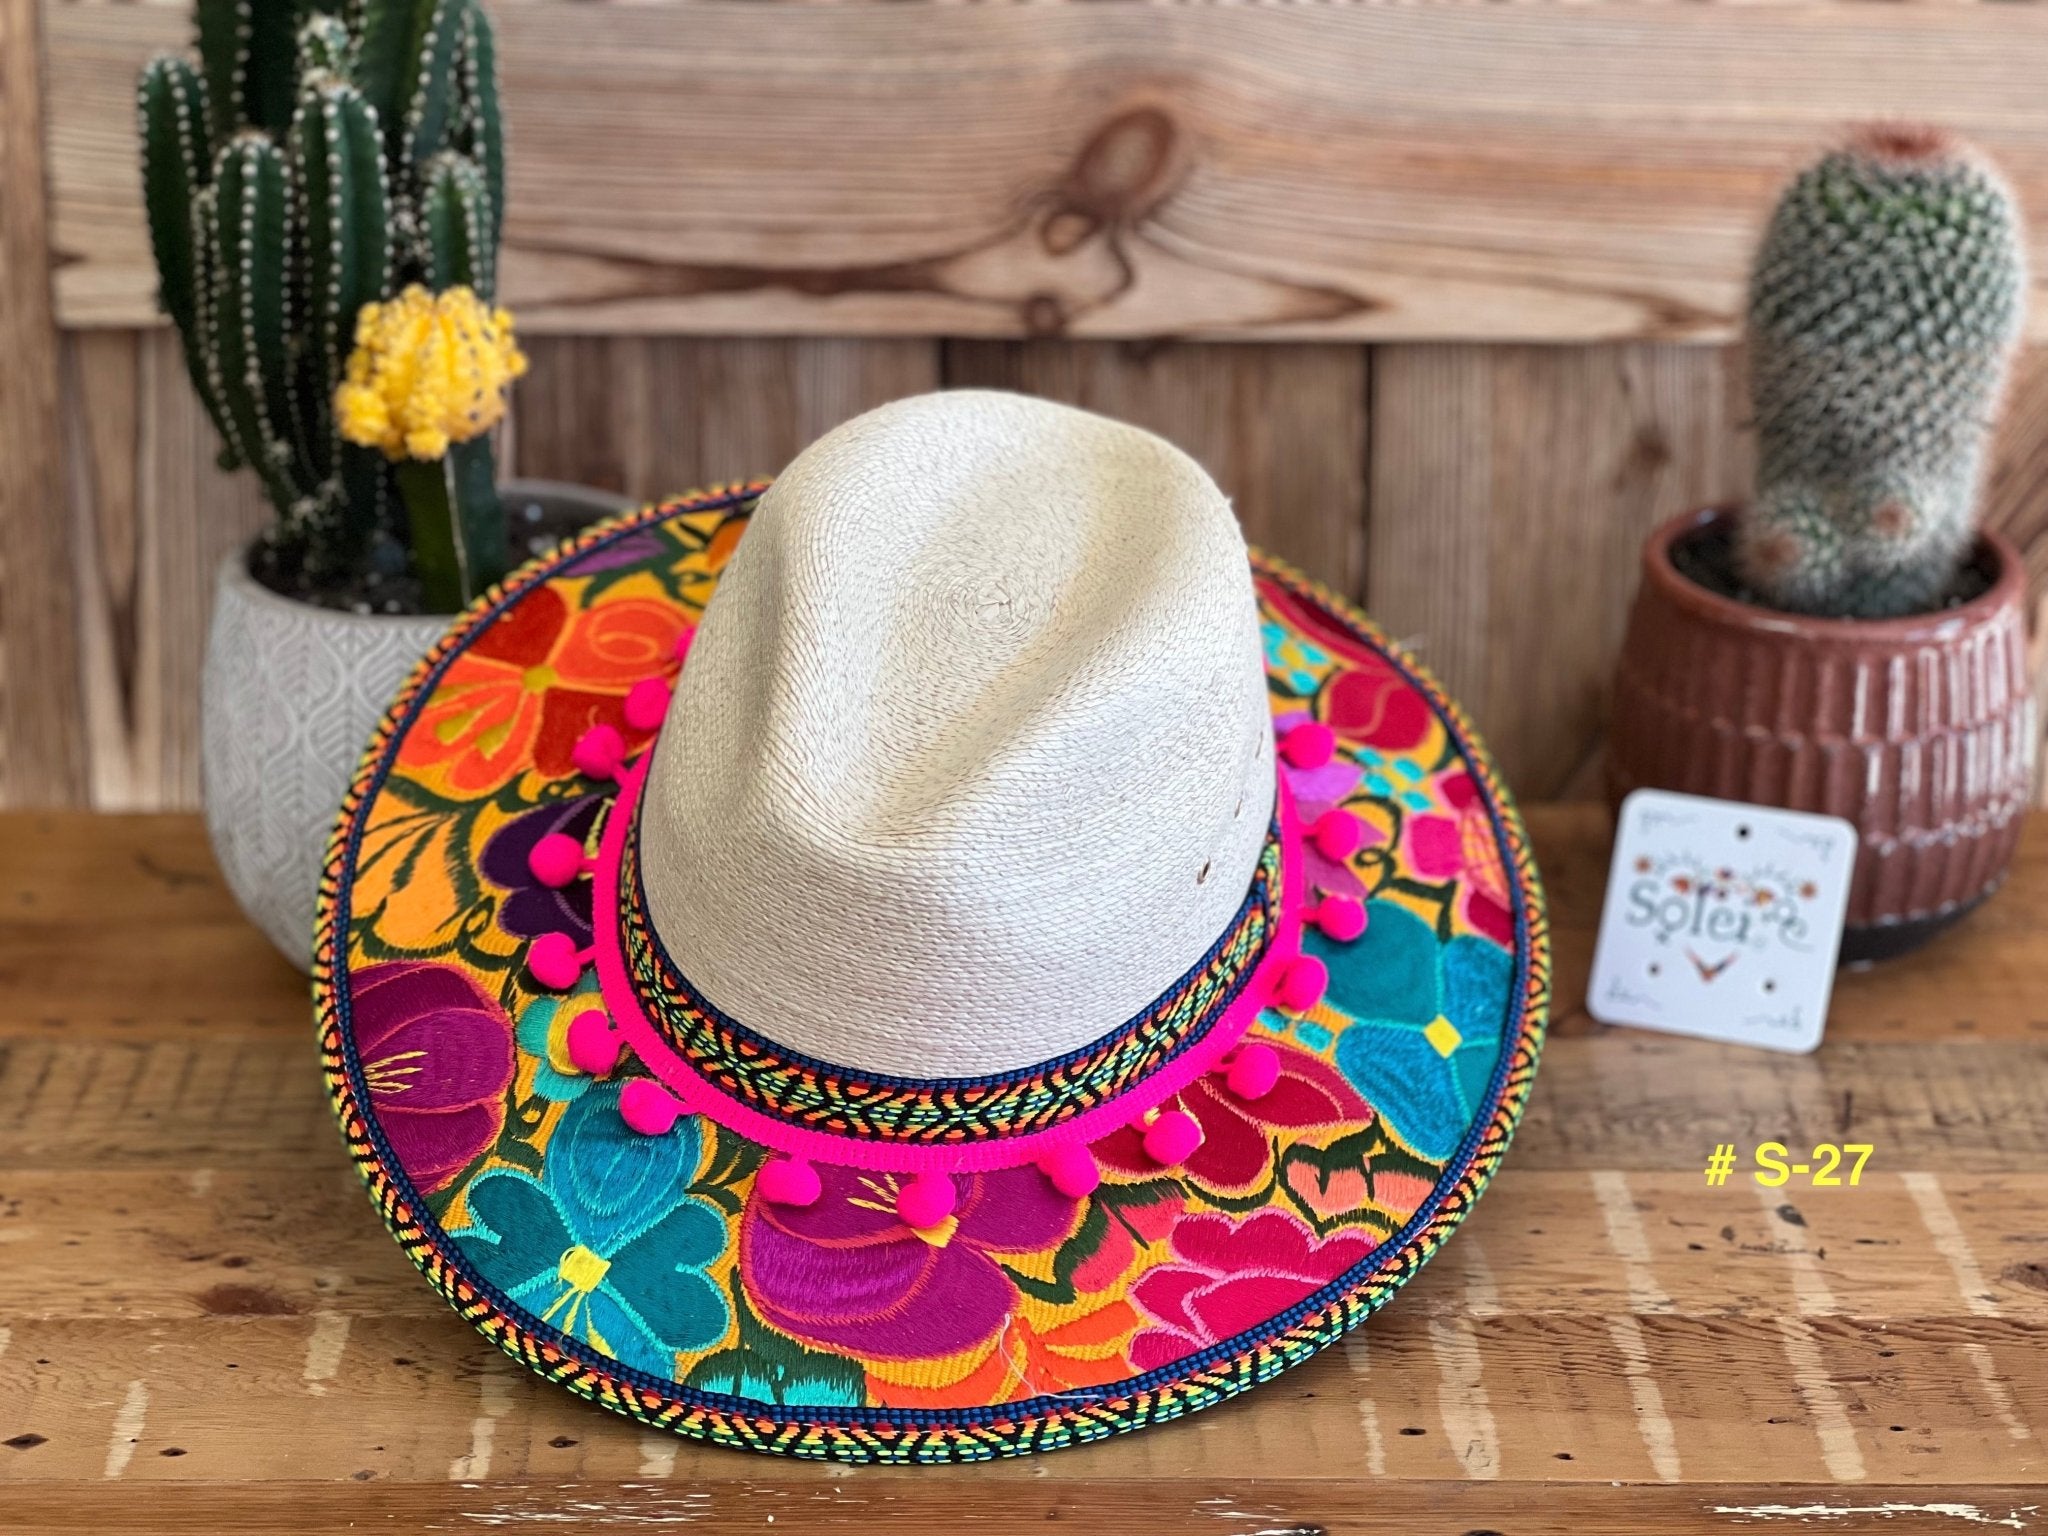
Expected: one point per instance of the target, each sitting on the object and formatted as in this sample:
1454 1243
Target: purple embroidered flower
436 1054
846 1272
632 549
533 909
1315 791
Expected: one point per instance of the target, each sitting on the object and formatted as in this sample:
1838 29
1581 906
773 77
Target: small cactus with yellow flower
425 384
325 194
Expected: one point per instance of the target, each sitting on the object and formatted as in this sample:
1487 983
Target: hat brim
641 1273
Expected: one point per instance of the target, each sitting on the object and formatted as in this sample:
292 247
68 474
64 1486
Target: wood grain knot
2032 1273
1649 451
245 1301
1044 314
1122 173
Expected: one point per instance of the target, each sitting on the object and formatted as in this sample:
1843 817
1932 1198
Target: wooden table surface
204 1328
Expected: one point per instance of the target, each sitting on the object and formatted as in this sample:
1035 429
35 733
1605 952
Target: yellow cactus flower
428 369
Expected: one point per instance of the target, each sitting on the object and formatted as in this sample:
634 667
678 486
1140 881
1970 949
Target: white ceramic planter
288 698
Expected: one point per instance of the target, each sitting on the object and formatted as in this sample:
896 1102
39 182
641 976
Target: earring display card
1722 920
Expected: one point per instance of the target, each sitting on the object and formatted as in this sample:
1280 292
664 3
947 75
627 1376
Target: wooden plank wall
1444 296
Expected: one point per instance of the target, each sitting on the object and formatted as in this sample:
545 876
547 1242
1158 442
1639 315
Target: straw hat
980 962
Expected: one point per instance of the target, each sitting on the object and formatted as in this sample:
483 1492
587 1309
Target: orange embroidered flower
1029 1360
533 682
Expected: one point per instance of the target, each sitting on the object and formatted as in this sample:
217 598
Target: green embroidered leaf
733 1161
1323 1183
518 1143
1108 1210
767 1365
1240 1204
1076 1251
396 854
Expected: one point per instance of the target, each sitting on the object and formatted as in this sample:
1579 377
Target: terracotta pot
287 701
1921 731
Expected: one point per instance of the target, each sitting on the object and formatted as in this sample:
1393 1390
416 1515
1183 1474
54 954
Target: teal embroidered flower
607 1245
1296 660
1423 1022
543 1035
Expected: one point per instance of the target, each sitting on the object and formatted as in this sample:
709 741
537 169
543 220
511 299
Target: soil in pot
1919 731
539 514
1705 556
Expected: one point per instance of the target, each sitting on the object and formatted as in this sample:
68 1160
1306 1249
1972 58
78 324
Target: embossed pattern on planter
1920 731
288 698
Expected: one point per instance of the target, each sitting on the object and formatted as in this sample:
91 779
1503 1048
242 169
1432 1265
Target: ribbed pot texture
1920 731
287 701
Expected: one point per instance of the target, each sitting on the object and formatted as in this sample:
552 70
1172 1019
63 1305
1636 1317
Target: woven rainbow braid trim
913 1436
819 1096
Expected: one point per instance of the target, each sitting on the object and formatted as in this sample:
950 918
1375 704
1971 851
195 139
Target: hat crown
972 759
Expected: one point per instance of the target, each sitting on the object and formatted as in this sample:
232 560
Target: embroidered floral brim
645 1271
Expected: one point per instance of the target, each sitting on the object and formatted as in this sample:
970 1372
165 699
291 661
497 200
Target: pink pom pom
1072 1169
1172 1138
556 859
1253 1071
598 752
1309 745
683 641
926 1200
647 704
1302 984
1336 834
593 1044
556 961
1339 917
788 1181
648 1107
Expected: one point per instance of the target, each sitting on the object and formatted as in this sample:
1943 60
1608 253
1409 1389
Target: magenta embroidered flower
1238 1144
436 1053
845 1271
1228 1275
1463 846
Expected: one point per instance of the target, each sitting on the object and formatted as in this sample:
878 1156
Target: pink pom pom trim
1254 1071
594 1046
1339 917
1072 1169
1336 834
648 1107
1302 984
599 752
556 860
1309 745
699 1096
788 1181
647 704
1171 1139
556 962
926 1200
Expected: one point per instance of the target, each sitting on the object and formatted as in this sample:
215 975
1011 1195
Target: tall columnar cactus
1884 308
309 165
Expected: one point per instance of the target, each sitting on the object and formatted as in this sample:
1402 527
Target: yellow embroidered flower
428 369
